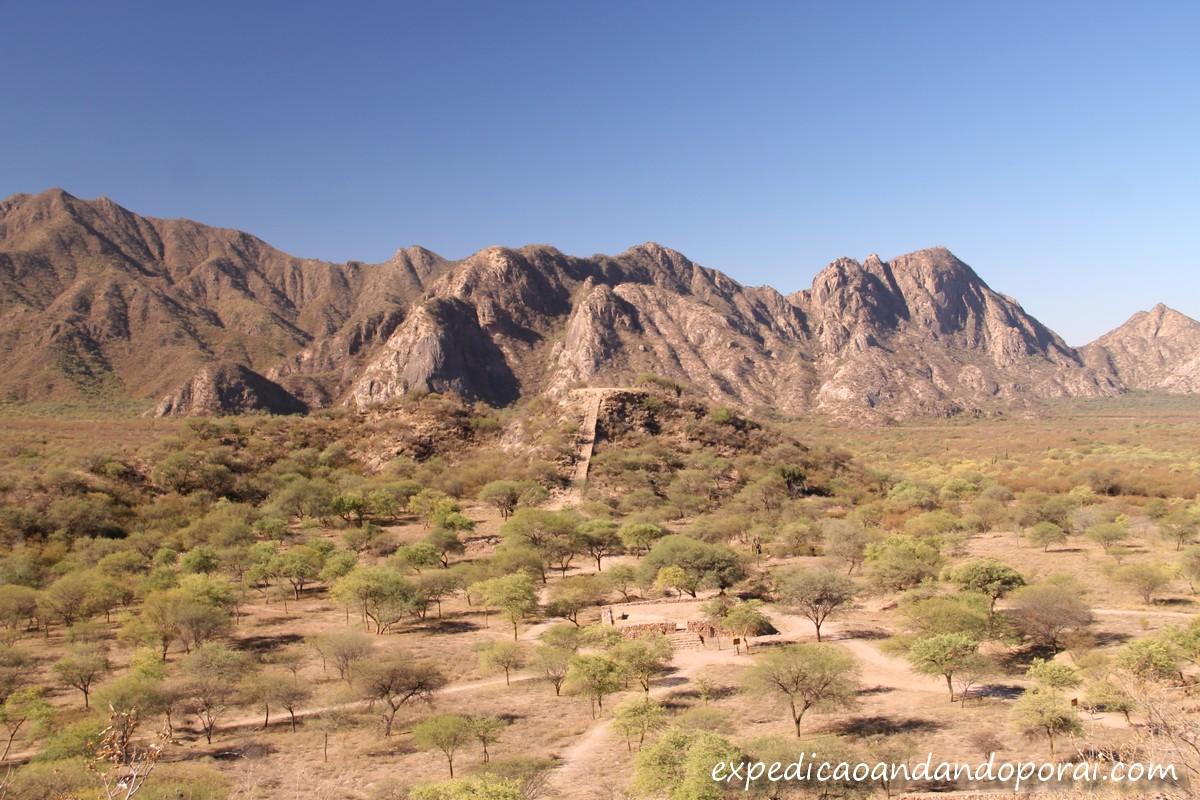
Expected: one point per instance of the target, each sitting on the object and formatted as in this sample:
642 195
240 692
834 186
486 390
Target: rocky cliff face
228 389
1155 350
97 300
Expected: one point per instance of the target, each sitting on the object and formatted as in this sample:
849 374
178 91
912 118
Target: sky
1055 147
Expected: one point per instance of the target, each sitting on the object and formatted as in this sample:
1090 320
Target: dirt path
878 669
1132 612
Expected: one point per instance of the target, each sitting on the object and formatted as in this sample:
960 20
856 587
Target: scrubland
336 606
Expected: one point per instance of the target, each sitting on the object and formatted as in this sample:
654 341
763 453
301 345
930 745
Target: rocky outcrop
96 301
1155 350
228 389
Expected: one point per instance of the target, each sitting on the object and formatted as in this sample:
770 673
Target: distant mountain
99 302
1157 350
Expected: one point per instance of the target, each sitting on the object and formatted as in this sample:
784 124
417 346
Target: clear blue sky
1053 146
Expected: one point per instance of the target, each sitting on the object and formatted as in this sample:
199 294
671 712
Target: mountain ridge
98 299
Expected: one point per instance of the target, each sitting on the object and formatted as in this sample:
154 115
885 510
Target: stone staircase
685 640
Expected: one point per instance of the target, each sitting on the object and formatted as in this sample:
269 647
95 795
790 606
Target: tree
901 562
554 664
362 538
487 731
445 732
428 502
502 656
553 534
815 594
965 613
574 594
380 594
846 541
514 595
679 765
21 707
418 556
1045 712
1149 659
639 537
503 495
1044 534
329 721
82 667
643 658
68 599
345 649
288 692
435 587
677 578
807 677
1104 695
944 654
987 576
704 564
622 578
1180 526
1145 578
600 540
396 681
1108 534
18 607
1052 674
298 565
445 543
1045 612
596 676
636 718
744 619
1189 566
352 508
208 683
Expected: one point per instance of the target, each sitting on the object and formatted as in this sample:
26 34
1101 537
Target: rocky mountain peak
95 299
1155 350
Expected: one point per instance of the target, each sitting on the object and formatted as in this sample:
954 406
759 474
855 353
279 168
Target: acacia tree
599 539
816 677
209 683
554 664
944 654
487 731
815 594
987 576
1045 612
902 562
445 732
288 692
744 619
1144 578
397 681
502 656
21 707
82 667
595 675
1047 713
503 495
643 658
574 594
381 594
344 649
513 594
636 718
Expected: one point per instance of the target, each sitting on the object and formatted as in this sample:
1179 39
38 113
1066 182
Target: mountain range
99 303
